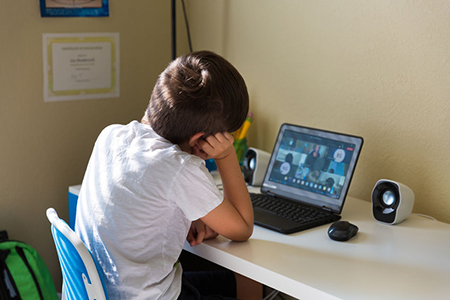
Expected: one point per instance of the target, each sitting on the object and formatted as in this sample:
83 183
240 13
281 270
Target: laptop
307 179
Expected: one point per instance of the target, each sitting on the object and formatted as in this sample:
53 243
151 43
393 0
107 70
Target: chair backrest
81 279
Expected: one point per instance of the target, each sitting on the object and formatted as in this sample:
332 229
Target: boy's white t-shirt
137 200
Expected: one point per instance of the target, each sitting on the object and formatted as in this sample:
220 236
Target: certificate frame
74 8
80 66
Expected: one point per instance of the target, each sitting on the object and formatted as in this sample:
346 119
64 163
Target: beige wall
45 146
379 69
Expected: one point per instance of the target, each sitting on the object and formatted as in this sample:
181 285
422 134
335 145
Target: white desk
410 260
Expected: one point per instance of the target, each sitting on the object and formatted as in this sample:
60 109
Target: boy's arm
199 232
233 218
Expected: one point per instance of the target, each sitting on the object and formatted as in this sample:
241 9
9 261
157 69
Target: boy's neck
145 120
185 147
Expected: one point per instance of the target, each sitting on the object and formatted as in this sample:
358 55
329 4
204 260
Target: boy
146 188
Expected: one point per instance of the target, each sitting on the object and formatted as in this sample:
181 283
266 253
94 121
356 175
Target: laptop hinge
327 208
270 194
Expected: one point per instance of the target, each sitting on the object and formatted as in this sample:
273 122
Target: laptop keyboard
286 209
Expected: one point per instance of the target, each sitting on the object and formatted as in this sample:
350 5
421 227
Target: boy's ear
193 140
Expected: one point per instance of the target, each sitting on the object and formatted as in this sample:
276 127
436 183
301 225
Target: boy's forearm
234 187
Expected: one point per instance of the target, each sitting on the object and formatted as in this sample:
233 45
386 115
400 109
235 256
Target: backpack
23 273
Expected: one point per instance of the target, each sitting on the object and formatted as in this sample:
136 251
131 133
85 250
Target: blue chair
81 276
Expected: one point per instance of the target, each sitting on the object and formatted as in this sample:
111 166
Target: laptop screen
312 166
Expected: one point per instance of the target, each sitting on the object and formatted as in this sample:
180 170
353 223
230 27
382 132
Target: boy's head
198 92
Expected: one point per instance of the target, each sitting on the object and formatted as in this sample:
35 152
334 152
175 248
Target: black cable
187 26
174 30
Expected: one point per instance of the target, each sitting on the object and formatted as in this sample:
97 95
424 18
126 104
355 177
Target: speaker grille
385 200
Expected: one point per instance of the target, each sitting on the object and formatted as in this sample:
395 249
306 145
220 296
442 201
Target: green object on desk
240 146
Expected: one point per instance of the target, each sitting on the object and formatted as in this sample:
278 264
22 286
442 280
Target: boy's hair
197 92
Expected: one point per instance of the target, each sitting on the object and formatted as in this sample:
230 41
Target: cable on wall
187 26
174 29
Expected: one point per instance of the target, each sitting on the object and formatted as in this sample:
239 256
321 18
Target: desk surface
409 260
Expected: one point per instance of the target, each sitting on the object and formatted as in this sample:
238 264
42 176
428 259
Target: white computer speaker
255 166
392 202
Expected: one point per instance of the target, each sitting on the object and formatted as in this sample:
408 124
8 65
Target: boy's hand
216 146
199 232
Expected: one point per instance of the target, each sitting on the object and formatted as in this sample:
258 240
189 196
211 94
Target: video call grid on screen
314 164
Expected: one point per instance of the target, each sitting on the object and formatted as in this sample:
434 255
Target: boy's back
138 198
146 188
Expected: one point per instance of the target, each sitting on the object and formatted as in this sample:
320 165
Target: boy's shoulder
133 125
150 140
128 132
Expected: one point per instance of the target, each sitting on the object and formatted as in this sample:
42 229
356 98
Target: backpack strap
21 253
3 274
8 288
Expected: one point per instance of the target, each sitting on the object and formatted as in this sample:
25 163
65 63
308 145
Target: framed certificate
81 66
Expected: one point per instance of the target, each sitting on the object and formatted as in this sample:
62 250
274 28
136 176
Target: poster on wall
80 66
74 8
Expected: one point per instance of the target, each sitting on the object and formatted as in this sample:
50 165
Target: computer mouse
342 231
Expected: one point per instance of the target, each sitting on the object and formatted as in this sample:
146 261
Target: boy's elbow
244 234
